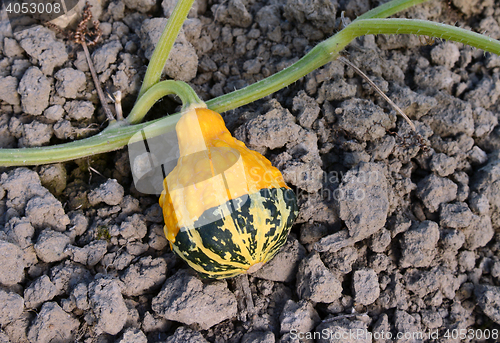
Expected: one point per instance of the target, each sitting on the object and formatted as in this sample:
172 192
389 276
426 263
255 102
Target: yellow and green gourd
227 210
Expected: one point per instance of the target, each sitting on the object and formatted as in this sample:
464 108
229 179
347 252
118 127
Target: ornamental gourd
227 210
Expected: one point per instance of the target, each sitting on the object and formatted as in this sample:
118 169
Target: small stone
452 117
53 324
364 200
307 109
301 317
106 55
434 190
34 89
69 82
182 293
54 113
341 261
110 192
90 254
478 233
442 165
479 203
365 286
364 120
446 54
132 228
234 14
318 12
336 90
41 44
11 307
495 270
379 262
144 276
35 134
252 66
53 177
452 239
8 92
380 240
79 295
334 242
11 48
405 322
156 237
20 232
413 104
184 334
272 130
133 335
258 337
418 245
486 181
67 275
477 155
12 266
50 246
315 282
79 110
488 298
343 328
484 122
47 212
455 215
152 322
421 282
467 260
141 6
485 93
431 319
108 305
283 267
40 291
442 79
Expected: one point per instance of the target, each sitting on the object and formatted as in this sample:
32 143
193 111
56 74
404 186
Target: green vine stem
389 8
181 89
114 137
117 135
329 50
165 44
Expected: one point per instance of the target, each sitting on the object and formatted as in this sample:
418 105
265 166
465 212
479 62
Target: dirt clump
393 235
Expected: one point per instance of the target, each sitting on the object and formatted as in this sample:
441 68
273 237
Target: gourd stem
118 134
329 50
165 44
389 8
114 137
187 95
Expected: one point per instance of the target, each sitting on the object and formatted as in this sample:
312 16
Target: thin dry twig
344 316
88 37
80 36
379 91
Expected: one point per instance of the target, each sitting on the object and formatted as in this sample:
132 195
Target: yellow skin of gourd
207 151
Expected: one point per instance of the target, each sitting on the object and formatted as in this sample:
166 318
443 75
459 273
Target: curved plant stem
158 91
389 8
118 134
329 50
114 137
165 44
